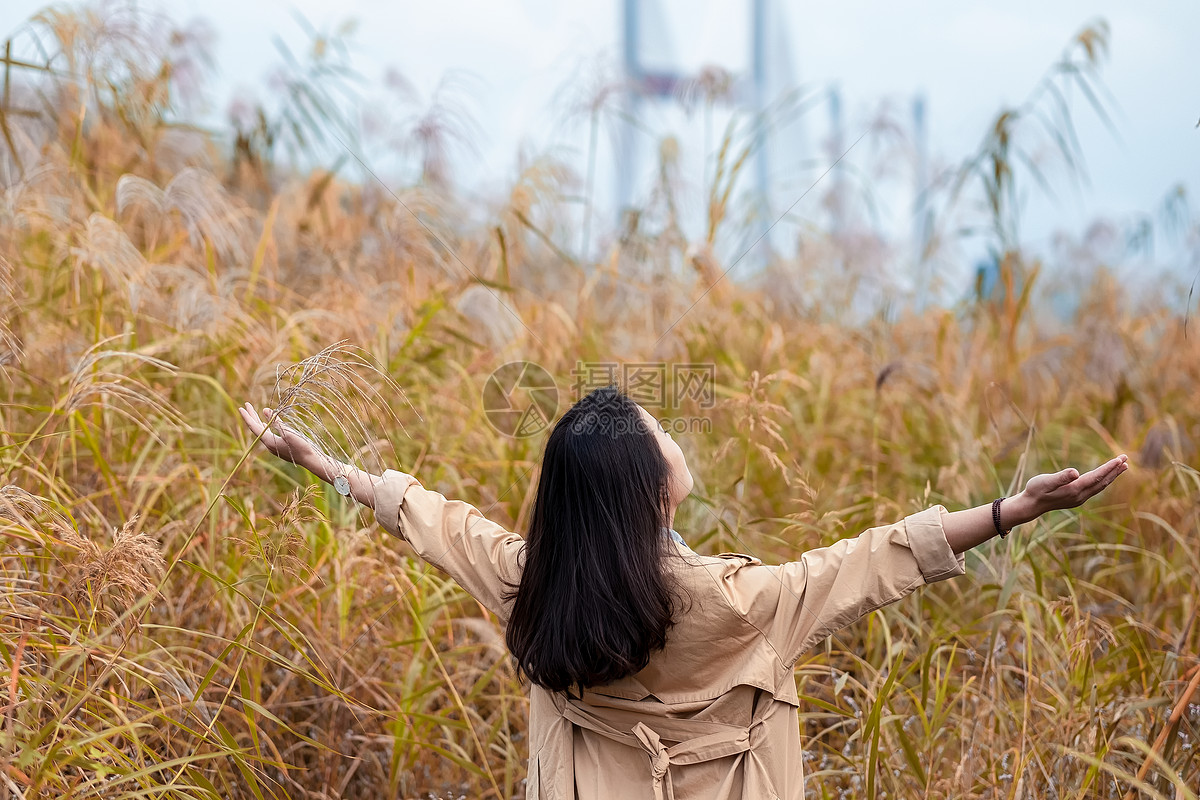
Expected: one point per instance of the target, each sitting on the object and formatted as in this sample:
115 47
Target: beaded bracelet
996 517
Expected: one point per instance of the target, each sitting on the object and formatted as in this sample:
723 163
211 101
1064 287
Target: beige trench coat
714 714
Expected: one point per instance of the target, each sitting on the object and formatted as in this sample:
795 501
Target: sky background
967 59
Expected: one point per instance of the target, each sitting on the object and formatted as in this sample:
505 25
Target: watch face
342 485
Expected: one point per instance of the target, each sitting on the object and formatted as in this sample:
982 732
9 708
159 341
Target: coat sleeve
797 604
480 555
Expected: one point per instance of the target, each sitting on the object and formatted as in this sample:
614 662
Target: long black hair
595 600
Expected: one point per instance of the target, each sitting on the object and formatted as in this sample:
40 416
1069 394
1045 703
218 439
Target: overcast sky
967 58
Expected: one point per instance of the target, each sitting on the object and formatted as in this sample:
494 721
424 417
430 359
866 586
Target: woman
656 672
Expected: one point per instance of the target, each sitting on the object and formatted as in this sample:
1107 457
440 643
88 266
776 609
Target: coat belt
698 740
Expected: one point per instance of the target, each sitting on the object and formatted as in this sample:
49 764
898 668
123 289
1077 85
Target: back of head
594 599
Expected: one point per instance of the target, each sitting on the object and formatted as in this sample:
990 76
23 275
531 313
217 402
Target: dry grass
226 641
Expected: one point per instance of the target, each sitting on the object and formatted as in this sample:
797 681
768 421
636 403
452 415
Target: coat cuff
927 538
389 494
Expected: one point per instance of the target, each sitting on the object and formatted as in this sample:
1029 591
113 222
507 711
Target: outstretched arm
480 555
1044 493
291 446
798 603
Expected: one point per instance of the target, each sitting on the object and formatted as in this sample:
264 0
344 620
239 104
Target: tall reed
185 617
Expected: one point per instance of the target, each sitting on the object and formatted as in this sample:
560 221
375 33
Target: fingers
1121 465
256 424
251 419
250 415
274 443
1102 476
1107 470
273 422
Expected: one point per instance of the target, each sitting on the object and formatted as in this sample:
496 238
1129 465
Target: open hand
280 440
1069 489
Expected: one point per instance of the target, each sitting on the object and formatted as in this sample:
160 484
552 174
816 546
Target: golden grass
185 617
